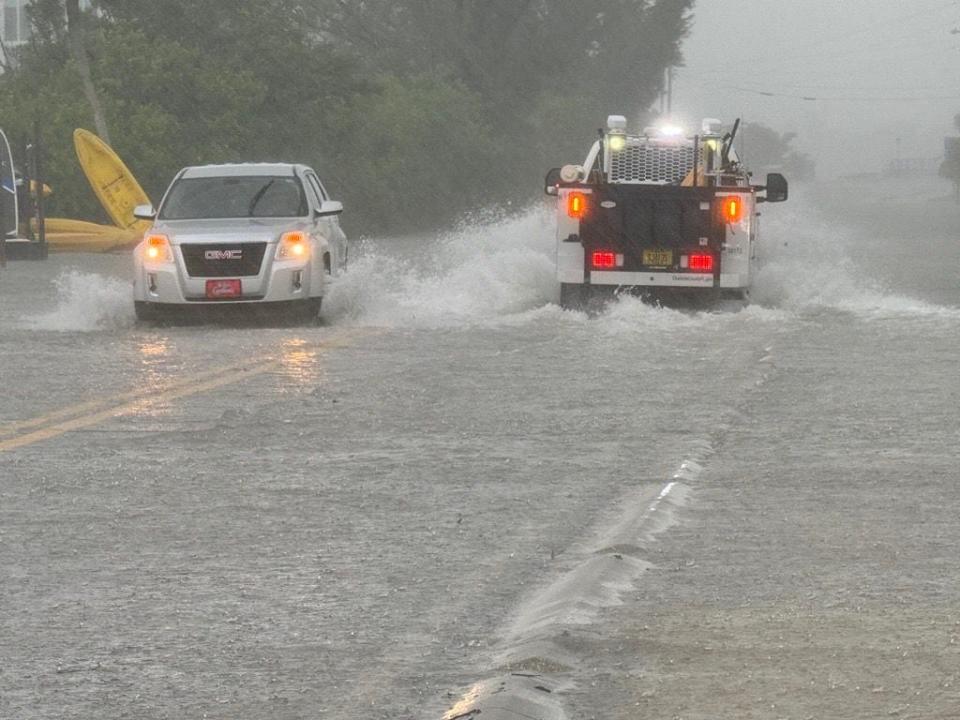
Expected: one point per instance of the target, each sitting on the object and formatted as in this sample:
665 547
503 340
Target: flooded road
743 513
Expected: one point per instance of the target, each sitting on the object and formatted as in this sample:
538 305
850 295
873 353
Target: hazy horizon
860 82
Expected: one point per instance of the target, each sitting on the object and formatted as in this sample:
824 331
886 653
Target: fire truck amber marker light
577 205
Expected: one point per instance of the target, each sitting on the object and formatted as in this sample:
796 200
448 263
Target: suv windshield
235 197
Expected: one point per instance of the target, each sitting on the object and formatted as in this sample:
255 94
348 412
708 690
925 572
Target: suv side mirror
777 188
552 182
145 212
329 209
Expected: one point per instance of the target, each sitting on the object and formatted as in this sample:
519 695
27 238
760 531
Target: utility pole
666 93
661 99
670 74
75 37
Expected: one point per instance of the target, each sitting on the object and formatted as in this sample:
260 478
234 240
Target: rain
403 474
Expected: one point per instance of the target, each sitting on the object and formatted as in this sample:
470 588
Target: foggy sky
880 70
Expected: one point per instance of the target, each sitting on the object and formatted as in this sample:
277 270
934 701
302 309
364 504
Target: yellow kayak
65 235
111 180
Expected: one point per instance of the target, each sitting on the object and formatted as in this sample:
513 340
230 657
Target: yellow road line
141 404
15 428
77 417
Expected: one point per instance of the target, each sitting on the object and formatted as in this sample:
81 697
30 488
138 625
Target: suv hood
228 230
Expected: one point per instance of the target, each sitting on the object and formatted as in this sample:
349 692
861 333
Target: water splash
805 266
87 302
481 273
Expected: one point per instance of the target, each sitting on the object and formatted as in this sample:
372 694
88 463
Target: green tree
255 88
418 149
547 71
764 149
414 111
509 50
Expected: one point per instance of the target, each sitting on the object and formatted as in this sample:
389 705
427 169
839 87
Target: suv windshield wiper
258 197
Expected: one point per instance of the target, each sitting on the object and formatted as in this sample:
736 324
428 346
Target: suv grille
240 260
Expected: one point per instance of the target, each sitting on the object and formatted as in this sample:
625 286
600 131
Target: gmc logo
223 255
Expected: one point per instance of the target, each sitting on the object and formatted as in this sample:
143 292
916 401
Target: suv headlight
294 245
157 249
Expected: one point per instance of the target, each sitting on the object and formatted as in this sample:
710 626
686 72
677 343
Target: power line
813 97
867 28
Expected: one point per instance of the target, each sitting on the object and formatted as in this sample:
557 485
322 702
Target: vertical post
743 141
27 212
3 235
601 156
696 161
41 208
3 219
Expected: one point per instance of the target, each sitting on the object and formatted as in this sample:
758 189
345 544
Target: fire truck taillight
577 205
731 208
701 263
604 260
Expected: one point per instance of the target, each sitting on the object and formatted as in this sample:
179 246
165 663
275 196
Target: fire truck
659 214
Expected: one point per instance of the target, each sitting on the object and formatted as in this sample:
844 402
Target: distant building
15 27
15 23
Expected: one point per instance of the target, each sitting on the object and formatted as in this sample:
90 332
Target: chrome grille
642 161
213 261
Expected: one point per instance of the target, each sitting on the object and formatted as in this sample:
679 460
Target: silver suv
256 236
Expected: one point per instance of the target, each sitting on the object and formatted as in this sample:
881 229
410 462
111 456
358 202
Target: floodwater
366 518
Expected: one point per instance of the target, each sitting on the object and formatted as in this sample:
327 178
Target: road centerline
93 412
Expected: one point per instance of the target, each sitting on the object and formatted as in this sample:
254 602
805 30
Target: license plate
658 258
220 289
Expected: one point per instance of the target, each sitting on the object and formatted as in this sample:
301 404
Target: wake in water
498 273
480 273
86 303
495 273
806 265
502 272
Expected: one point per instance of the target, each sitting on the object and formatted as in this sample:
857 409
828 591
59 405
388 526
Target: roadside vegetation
414 111
765 150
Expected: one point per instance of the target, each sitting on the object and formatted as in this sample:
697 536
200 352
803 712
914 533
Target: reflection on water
153 374
159 347
298 362
154 355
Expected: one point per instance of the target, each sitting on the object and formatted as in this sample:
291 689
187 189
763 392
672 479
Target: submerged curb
509 697
533 666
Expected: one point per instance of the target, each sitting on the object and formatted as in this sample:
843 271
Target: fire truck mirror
552 182
777 188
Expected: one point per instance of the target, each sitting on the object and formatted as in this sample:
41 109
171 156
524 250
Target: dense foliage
765 150
414 111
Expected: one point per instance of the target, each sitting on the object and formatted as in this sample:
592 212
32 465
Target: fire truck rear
658 214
